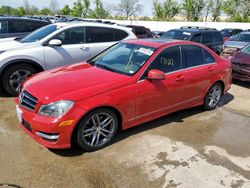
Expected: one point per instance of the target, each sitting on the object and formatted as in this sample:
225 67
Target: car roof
195 30
158 42
86 23
22 18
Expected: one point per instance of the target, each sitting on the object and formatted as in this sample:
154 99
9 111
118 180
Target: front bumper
240 73
46 130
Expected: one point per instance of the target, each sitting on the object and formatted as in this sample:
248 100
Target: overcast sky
147 5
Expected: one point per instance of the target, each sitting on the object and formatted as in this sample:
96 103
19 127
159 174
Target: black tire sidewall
79 139
9 72
206 101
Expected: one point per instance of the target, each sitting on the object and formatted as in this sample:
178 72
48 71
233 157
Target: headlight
56 109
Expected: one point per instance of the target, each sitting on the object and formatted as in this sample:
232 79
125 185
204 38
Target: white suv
52 46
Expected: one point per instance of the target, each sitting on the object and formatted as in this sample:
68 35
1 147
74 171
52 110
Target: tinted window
240 37
208 57
72 36
168 60
99 34
193 55
218 37
176 34
33 25
17 26
3 27
40 34
197 38
140 31
207 37
119 34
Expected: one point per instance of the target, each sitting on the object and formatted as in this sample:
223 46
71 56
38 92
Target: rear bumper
47 131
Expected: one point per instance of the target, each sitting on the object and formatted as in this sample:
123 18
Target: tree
81 8
26 6
167 10
237 10
54 6
65 10
99 12
208 8
216 10
45 11
128 8
5 10
193 9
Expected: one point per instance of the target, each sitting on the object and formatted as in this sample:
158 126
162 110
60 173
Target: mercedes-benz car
132 82
53 46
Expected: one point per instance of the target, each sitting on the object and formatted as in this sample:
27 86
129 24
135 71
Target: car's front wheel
213 96
14 76
97 129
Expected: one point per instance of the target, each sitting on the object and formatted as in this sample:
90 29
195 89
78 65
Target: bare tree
54 6
26 6
128 8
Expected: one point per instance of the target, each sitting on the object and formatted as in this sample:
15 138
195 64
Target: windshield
176 34
246 49
226 32
240 37
39 34
123 58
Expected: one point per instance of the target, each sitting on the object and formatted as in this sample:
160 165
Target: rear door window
99 34
207 38
119 34
193 55
3 27
17 26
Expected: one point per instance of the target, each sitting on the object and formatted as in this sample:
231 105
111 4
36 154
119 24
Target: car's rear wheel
97 129
213 96
14 76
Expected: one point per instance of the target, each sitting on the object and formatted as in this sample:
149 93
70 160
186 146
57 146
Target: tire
97 129
14 76
213 96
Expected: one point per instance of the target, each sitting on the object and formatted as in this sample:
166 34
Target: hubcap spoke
98 130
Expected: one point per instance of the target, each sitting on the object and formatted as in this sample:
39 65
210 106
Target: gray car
238 41
52 46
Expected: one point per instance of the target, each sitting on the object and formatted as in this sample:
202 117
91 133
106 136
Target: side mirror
156 75
55 42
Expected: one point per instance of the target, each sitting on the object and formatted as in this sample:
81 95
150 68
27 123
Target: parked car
140 31
238 41
228 32
157 34
53 46
211 38
19 27
132 82
241 64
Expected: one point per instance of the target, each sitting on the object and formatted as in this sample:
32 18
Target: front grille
26 125
28 101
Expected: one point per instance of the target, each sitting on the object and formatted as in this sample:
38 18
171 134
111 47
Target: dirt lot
192 148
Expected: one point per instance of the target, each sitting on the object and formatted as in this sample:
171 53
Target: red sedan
128 84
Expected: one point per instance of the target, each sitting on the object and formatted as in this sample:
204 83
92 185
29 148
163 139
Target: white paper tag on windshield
146 51
186 33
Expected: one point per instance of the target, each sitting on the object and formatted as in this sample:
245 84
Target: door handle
210 68
84 48
179 78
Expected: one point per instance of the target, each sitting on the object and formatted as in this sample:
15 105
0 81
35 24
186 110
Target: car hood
241 58
11 44
235 44
75 82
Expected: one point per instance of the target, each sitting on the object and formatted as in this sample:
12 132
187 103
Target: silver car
53 46
238 41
